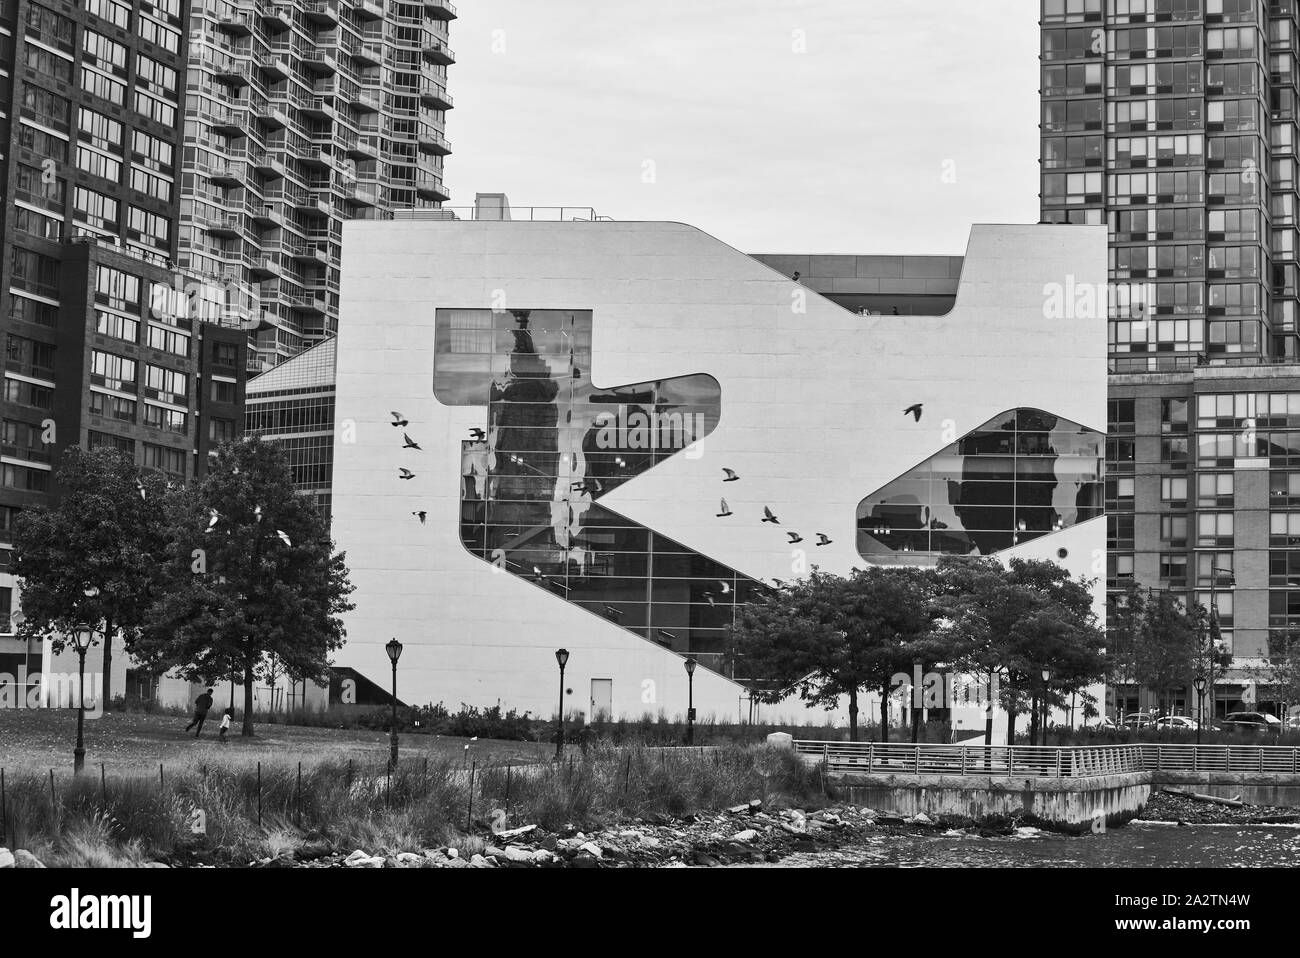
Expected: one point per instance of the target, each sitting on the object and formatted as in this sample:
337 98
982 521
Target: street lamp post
394 650
1042 729
1213 650
82 635
690 701
562 657
1198 683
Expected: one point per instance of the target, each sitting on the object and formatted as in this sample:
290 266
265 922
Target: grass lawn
134 742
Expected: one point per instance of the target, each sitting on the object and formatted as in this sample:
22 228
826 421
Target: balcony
434 94
264 267
431 141
278 15
232 69
322 12
309 253
228 120
228 174
237 20
369 9
371 53
439 9
438 52
360 195
266 162
317 107
224 224
322 59
365 147
431 186
266 214
276 64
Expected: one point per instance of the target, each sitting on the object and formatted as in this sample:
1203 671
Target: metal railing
1030 761
516 214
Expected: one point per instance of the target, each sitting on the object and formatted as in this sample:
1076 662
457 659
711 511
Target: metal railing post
1011 760
1058 761
918 760
963 761
871 757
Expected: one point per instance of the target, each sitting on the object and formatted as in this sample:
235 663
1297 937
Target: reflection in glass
1024 474
552 445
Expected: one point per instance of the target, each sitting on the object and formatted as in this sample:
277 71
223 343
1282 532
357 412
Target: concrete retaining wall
1253 788
1068 804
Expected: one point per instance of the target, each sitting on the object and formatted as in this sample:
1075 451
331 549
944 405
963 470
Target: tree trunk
1011 727
853 715
1033 719
988 714
884 713
247 731
107 692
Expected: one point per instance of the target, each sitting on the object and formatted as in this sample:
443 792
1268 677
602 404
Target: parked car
1260 722
1139 720
1180 722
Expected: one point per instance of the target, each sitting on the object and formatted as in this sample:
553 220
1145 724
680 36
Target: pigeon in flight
477 434
726 510
398 421
405 473
823 539
257 513
731 474
139 487
768 517
726 586
409 443
708 597
421 515
914 411
538 574
795 538
284 537
213 518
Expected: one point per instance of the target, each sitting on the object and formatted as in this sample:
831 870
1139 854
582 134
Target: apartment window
169 341
47 62
164 36
221 430
105 440
1173 567
49 27
1119 531
1173 530
22 393
1214 529
112 371
1284 528
99 164
166 420
1214 489
40 188
152 153
165 384
99 131
37 224
155 77
23 440
1119 569
155 109
44 144
46 108
1173 415
160 188
31 271
118 14
95 209
1119 493
151 229
29 356
33 311
112 407
103 86
117 289
225 354
117 326
1173 489
223 392
101 52
24 479
1173 449
167 460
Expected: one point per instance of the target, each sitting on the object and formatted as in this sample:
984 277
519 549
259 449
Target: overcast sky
779 126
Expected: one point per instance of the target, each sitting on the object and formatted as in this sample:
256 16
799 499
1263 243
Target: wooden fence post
259 794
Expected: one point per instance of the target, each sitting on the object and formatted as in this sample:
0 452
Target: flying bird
422 515
257 513
406 473
139 486
914 411
284 537
731 474
477 433
398 421
213 518
726 586
794 537
409 443
708 596
726 510
538 574
768 517
823 539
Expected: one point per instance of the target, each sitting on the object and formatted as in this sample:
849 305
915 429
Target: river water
1136 845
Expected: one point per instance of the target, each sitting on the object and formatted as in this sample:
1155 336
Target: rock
510 854
355 856
516 832
755 804
705 860
6 858
748 835
586 861
543 857
455 863
359 859
738 810
780 740
591 848
478 861
408 858
149 865
920 818
452 853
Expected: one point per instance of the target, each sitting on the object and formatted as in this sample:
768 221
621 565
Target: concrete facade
811 418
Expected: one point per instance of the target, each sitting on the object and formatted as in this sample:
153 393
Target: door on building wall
602 700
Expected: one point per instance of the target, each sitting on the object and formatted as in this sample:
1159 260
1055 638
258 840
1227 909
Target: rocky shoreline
1165 807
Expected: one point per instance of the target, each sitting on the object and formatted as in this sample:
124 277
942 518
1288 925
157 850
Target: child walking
226 718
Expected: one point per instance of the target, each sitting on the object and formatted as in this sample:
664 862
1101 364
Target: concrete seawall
1067 804
1253 788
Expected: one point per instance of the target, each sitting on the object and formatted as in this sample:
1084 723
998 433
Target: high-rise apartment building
107 341
298 116
1174 122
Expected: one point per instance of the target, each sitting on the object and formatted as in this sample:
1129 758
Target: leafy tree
1014 623
827 636
1169 641
251 575
94 555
